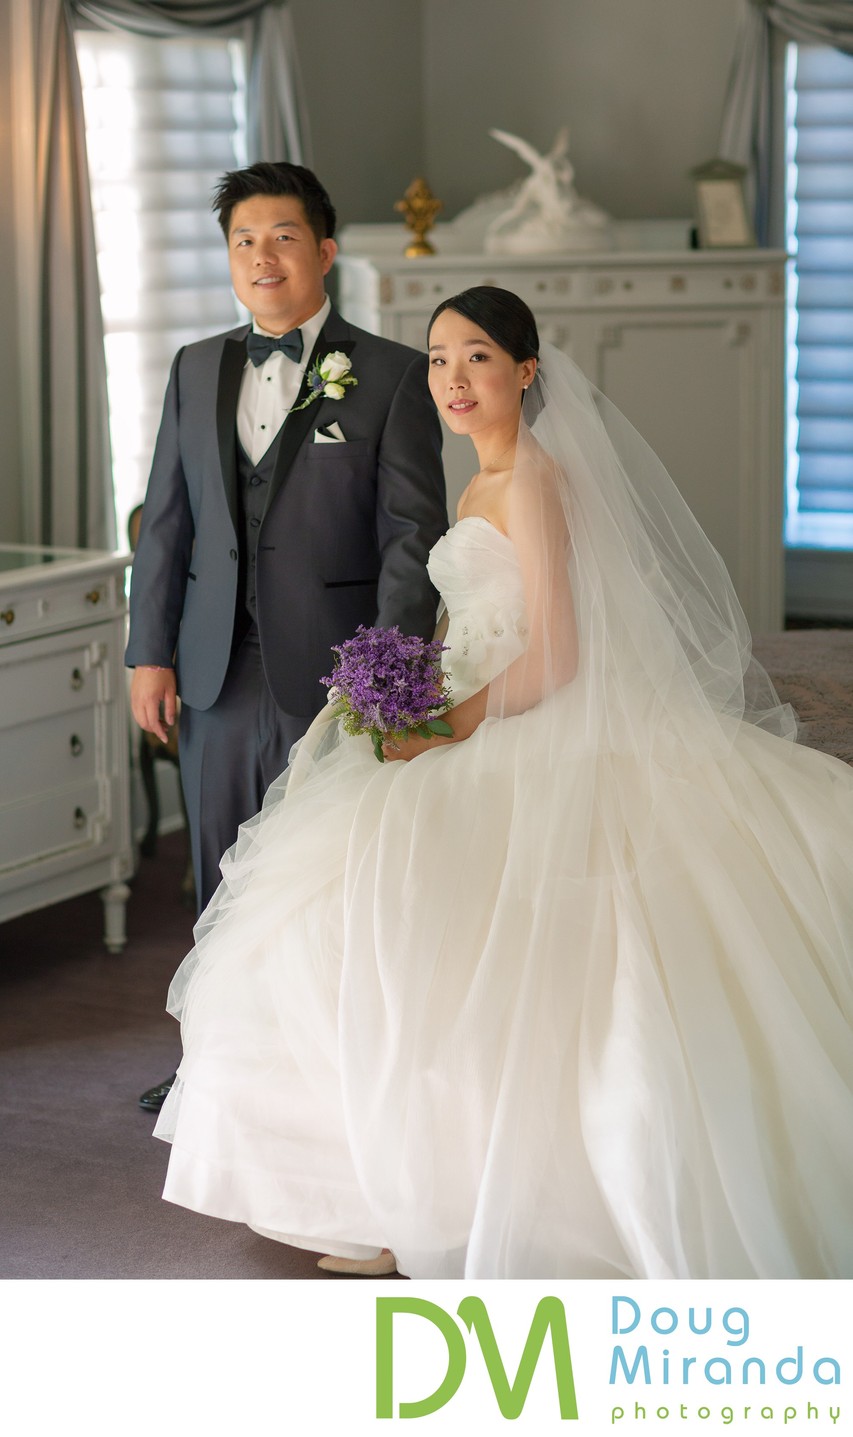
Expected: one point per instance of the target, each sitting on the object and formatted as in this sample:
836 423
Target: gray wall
362 66
639 82
395 87
10 428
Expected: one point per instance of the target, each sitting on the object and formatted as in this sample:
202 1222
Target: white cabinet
689 345
64 767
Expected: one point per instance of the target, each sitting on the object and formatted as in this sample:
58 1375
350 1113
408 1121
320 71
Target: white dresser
689 345
64 763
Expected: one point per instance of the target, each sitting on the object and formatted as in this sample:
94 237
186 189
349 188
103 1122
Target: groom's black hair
275 178
505 318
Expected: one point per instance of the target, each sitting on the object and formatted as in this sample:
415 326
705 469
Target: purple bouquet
389 685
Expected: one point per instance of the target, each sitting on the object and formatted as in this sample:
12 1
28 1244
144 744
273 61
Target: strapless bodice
475 569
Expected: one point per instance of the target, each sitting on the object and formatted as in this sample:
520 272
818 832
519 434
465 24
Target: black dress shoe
153 1100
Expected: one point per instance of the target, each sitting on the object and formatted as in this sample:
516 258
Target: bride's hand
408 748
463 718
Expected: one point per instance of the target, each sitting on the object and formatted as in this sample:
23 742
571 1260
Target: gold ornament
419 208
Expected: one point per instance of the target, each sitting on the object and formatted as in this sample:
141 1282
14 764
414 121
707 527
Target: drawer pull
79 818
8 616
94 596
76 745
76 679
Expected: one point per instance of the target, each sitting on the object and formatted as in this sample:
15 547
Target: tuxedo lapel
231 367
335 334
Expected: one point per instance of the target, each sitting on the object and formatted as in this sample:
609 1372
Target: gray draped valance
166 17
746 129
276 122
821 22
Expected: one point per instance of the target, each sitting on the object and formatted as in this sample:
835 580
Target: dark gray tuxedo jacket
346 529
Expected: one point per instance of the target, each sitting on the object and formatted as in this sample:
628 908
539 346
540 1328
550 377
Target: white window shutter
164 119
820 233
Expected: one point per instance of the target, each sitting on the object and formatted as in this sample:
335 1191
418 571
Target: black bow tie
261 346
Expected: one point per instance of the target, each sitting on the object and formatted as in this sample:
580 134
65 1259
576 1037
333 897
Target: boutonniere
327 379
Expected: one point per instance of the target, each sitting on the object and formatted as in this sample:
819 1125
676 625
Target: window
819 232
164 118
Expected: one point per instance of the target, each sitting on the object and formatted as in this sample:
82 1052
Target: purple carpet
82 1033
813 671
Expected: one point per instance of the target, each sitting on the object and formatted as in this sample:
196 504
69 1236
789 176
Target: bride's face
474 383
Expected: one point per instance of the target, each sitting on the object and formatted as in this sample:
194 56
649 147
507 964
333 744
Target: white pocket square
333 435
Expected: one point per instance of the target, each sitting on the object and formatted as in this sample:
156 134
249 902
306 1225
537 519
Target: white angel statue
546 214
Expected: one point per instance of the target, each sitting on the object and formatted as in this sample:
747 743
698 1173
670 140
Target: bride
568 994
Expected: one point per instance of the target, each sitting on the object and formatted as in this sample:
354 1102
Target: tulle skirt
517 1013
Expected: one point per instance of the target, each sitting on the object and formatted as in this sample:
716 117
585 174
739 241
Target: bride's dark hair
505 318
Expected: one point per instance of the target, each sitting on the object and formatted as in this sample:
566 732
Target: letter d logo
510 1396
385 1310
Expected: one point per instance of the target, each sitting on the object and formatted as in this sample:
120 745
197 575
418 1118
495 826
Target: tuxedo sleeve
162 559
411 504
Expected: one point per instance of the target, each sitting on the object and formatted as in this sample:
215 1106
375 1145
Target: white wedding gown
594 1021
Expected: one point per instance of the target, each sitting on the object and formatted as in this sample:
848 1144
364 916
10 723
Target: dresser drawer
70 677
29 611
64 789
50 824
48 755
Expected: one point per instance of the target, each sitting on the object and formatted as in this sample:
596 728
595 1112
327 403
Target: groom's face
277 263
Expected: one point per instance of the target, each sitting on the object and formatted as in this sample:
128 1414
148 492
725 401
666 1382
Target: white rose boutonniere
327 379
335 366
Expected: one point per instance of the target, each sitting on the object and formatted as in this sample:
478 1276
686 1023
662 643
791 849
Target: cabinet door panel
682 384
690 383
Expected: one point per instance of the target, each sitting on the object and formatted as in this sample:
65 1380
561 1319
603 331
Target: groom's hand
151 688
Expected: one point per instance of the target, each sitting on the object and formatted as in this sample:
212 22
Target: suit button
233 553
255 523
254 481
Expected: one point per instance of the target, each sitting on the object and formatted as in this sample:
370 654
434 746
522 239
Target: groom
295 492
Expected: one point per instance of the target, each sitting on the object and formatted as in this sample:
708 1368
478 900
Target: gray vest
253 487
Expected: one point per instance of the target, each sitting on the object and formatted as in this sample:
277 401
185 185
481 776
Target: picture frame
722 216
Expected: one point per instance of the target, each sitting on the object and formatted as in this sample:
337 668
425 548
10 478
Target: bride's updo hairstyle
501 315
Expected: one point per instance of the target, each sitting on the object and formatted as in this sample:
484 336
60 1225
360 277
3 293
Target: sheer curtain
67 473
745 136
66 480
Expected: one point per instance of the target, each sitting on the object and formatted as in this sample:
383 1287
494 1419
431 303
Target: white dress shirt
269 390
